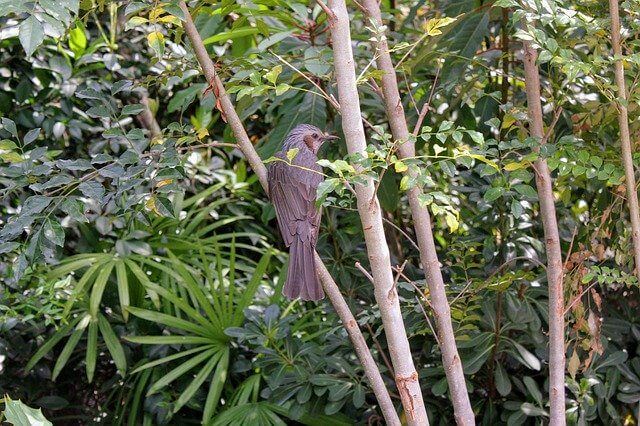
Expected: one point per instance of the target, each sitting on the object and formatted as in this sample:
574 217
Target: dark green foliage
141 273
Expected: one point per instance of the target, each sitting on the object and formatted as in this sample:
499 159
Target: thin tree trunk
147 118
370 215
552 243
330 287
625 139
422 222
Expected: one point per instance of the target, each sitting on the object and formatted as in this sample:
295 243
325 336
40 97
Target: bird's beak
328 137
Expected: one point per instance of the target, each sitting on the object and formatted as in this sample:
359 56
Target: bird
293 183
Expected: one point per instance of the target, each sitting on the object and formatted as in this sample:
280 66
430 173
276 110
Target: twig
383 354
578 297
208 145
325 95
426 301
147 118
513 259
364 272
326 9
426 318
556 116
409 91
427 106
397 228
573 237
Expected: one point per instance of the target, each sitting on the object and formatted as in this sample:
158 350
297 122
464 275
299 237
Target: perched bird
292 189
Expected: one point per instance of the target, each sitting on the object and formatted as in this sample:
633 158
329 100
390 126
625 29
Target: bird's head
308 135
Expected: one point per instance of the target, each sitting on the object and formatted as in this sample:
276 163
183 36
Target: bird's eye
315 135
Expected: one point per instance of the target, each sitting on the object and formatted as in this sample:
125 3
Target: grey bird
292 189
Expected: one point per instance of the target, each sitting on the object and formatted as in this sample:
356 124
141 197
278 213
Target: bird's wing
294 195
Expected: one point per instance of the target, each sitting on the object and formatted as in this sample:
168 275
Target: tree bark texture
552 243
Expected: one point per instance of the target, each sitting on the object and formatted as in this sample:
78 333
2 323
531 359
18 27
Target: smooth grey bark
385 290
330 287
625 138
552 242
422 223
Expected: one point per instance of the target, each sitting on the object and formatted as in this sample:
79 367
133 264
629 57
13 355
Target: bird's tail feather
302 280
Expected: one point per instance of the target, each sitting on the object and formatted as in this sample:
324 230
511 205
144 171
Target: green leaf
31 34
49 344
404 183
448 168
113 344
19 414
35 204
183 98
526 190
291 154
53 232
168 320
400 166
440 387
98 288
171 358
77 40
169 340
230 35
31 136
197 381
6 145
326 187
66 353
614 359
502 381
121 86
516 208
156 42
533 411
526 357
73 207
11 157
92 189
79 288
273 73
493 194
92 349
163 207
133 109
10 126
317 60
532 387
251 288
99 111
215 389
123 288
596 161
180 370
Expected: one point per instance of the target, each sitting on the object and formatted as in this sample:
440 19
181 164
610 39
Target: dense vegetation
140 262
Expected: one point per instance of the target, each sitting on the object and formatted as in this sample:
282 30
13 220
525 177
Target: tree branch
147 118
